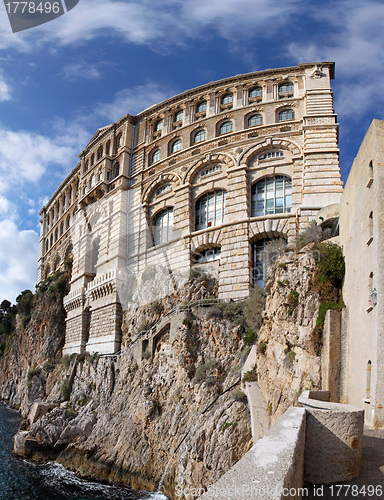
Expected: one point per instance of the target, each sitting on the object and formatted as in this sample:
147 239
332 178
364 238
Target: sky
61 81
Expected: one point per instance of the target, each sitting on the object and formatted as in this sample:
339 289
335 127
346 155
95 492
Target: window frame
208 212
254 115
176 116
156 152
227 98
222 124
179 142
196 134
162 233
265 183
201 103
286 110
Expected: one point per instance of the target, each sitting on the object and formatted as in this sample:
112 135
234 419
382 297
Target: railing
182 308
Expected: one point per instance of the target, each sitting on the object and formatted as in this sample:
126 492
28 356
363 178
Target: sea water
23 480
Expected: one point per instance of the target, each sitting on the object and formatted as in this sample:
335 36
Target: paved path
369 484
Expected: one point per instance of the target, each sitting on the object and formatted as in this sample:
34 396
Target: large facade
204 178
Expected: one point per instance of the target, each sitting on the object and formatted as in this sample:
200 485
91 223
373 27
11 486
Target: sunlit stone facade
201 179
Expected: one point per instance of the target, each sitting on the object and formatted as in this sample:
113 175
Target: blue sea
23 480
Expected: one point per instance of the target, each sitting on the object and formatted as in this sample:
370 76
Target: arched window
165 188
155 156
201 107
178 116
92 159
212 169
264 252
207 255
286 89
176 146
61 228
51 241
225 128
163 226
255 92
210 210
107 147
100 152
119 140
158 125
56 234
199 136
227 99
92 181
272 195
286 114
115 170
255 120
86 166
68 222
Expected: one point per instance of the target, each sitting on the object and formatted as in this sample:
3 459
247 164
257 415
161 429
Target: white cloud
354 42
5 90
132 100
18 260
25 156
76 71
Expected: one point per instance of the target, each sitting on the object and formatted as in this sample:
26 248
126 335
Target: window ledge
369 308
369 183
367 401
369 241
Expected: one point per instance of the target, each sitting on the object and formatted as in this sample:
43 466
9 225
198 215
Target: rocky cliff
121 418
145 415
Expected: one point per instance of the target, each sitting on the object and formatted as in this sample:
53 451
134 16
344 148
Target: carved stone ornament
317 73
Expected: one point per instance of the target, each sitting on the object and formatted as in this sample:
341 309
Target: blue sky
61 81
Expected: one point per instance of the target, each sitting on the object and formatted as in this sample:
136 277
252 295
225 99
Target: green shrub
82 356
226 425
274 250
49 365
331 264
251 376
148 274
65 390
65 360
33 372
262 347
250 337
293 301
187 323
254 308
204 372
291 355
240 396
311 234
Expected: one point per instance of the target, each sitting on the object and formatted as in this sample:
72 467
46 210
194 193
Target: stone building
362 238
204 178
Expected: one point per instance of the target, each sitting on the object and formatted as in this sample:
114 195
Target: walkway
369 484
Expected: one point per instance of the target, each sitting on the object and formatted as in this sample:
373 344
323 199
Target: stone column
234 267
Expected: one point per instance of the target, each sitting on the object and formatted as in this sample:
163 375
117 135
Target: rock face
288 358
125 417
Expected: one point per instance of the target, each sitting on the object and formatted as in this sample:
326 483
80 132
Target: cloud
132 100
354 41
25 156
5 91
76 71
18 260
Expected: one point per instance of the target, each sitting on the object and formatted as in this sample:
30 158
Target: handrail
176 309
